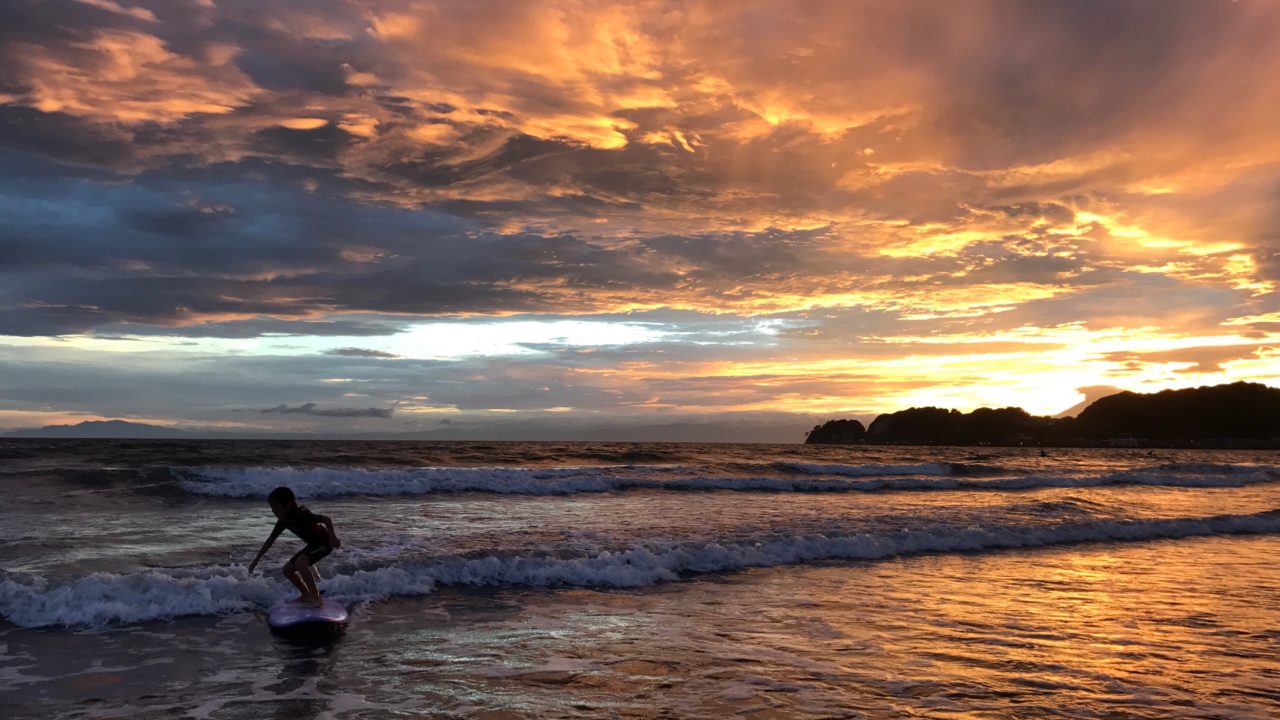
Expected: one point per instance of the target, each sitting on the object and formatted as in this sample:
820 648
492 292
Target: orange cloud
1038 192
129 76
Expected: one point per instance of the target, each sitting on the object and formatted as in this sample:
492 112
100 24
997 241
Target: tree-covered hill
1238 410
1242 412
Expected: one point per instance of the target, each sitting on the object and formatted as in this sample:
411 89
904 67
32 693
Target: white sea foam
867 470
101 599
325 481
1203 477
333 481
786 484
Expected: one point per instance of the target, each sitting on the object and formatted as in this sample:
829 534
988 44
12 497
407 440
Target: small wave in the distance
315 482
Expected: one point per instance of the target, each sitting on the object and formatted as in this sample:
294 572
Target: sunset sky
499 218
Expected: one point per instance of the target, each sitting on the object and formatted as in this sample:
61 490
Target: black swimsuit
313 552
307 525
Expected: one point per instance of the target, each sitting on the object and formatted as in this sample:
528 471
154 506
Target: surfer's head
281 500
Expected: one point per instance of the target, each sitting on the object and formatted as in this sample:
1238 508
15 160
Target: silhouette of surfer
315 530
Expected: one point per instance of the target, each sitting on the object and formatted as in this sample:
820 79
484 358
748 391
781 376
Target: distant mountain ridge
1237 414
768 432
119 429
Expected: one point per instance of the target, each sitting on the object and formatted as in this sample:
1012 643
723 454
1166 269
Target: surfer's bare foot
312 602
301 600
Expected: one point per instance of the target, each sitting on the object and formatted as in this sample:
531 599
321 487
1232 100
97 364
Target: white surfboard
330 618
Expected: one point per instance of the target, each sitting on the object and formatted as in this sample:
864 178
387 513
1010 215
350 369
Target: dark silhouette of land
1241 414
111 429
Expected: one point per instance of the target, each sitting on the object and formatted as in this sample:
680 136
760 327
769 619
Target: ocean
612 580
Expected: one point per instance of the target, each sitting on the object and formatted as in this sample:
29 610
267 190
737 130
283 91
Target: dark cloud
67 139
267 326
361 353
284 63
188 222
438 166
169 257
35 321
311 409
320 146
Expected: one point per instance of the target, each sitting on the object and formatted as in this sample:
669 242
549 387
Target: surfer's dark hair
282 496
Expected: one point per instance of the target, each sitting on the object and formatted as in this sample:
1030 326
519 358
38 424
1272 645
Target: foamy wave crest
103 599
867 470
333 481
324 482
1186 476
783 484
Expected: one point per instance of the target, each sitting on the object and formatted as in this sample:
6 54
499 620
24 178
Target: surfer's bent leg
291 573
300 564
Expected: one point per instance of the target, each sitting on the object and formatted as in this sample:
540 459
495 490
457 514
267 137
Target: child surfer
315 530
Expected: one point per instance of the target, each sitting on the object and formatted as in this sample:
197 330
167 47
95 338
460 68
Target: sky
516 219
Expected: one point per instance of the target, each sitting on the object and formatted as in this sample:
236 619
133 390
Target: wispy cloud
362 353
311 409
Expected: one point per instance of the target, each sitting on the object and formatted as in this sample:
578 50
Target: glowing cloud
638 208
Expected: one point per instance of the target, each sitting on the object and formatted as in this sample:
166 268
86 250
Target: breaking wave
103 599
313 482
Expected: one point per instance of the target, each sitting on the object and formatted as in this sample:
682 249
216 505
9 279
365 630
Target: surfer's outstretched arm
275 533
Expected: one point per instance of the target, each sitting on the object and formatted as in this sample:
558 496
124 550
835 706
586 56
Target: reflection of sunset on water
554 579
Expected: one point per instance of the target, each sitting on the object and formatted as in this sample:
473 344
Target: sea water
514 580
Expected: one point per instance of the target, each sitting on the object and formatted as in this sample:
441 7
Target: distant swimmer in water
315 530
